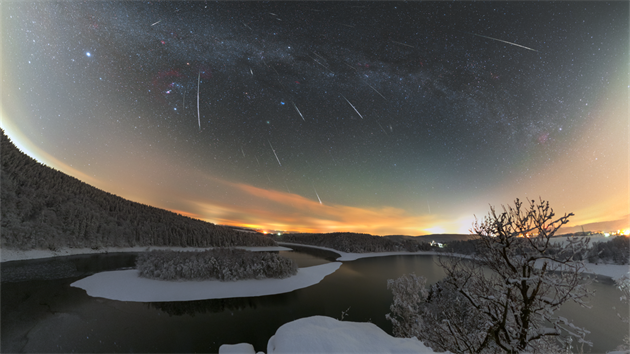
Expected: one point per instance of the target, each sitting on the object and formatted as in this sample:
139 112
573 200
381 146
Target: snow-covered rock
240 348
321 334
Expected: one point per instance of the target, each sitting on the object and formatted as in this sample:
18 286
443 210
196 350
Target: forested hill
47 209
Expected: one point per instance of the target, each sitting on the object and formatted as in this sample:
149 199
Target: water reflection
191 308
315 252
65 267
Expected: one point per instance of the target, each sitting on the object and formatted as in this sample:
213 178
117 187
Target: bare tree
503 298
623 284
409 294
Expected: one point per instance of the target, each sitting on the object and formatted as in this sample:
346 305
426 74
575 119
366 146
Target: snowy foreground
321 334
126 285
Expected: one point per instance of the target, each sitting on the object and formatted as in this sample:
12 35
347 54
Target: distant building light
433 244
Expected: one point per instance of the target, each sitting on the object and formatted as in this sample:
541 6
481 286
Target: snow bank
614 271
7 255
593 238
240 348
321 334
126 285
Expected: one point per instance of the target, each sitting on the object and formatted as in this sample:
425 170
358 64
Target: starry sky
377 117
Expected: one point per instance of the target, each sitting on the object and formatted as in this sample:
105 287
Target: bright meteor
351 105
274 152
500 40
198 116
300 113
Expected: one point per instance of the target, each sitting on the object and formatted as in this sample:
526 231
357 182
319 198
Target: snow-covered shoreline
613 271
8 255
348 256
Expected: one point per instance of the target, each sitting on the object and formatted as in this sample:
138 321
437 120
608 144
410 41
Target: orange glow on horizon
276 210
185 213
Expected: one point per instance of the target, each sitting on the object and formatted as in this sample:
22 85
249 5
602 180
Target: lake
42 313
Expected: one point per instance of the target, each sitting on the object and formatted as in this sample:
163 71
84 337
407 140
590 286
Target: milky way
402 117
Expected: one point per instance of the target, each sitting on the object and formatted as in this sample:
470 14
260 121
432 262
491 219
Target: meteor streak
274 152
500 40
317 61
406 45
324 59
379 124
344 97
300 113
376 91
198 116
156 23
320 201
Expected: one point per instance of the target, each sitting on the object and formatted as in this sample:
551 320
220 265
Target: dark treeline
461 247
355 242
224 264
43 208
616 250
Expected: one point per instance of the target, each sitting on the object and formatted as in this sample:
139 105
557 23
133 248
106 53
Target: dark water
42 313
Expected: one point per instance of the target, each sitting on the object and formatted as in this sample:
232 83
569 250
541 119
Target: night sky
377 117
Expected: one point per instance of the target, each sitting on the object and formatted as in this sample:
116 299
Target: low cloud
275 210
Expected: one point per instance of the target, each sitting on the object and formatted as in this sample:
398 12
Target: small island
224 264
